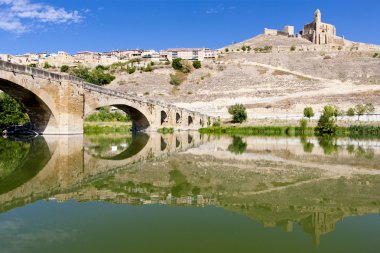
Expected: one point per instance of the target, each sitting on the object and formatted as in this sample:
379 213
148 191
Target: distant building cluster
93 59
316 32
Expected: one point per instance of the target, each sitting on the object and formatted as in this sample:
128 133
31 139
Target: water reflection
283 183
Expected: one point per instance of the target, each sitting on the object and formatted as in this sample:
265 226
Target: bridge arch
139 119
190 120
36 106
177 118
164 117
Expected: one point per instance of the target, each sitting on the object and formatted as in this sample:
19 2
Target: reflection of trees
22 161
12 155
238 146
307 145
328 144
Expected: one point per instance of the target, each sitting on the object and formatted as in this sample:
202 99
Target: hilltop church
321 33
317 32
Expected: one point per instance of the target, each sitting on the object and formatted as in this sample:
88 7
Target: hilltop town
275 74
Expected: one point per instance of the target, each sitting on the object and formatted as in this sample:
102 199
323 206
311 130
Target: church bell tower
317 16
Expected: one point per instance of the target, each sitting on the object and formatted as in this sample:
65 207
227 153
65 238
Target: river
187 192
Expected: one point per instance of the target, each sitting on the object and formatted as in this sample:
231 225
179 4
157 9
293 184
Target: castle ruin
321 33
316 32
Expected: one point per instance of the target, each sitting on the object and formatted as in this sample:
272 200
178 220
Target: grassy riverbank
352 131
109 127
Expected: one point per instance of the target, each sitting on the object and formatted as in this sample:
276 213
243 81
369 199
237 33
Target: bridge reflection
47 165
273 180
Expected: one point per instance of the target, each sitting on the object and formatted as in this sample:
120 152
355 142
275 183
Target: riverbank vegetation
107 121
354 131
327 124
96 129
165 130
11 112
104 114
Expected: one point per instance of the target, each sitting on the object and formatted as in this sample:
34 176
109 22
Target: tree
369 108
99 77
47 65
238 113
177 64
350 112
95 76
327 121
65 68
244 48
227 50
197 64
360 109
308 112
11 112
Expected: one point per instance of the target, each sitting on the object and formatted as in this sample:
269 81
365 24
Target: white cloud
220 8
19 16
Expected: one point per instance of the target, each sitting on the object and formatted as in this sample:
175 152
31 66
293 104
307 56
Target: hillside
275 85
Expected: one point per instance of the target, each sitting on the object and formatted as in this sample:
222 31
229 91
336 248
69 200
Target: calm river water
189 193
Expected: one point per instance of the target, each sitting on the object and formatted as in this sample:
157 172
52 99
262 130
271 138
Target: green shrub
308 112
99 77
95 76
197 64
227 50
47 65
350 112
177 64
148 68
238 113
216 124
131 70
101 67
293 48
65 68
265 49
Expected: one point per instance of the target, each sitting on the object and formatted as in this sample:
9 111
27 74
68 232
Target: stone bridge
58 103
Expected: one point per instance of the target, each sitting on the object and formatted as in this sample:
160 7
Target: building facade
192 54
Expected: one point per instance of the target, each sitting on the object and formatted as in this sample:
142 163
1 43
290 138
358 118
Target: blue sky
101 25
